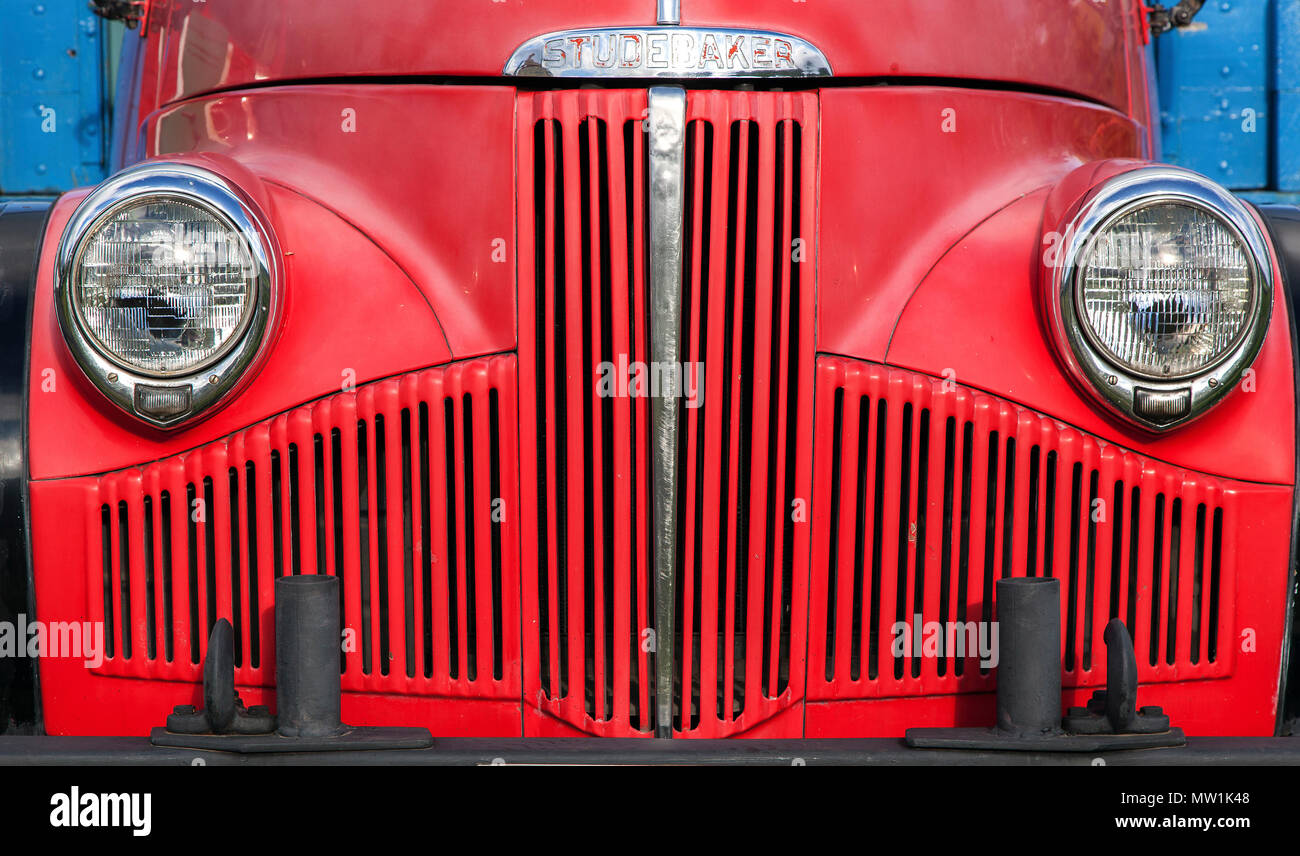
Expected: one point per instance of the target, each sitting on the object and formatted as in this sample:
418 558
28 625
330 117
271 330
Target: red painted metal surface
920 210
424 172
193 48
378 249
405 489
926 492
1003 348
1081 47
1141 73
907 173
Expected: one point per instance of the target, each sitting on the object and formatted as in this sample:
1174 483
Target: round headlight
1165 289
165 289
164 286
1162 295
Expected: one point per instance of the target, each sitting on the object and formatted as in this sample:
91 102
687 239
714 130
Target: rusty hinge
129 12
1163 20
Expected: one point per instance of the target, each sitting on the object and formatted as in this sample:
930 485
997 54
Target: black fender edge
1283 223
22 229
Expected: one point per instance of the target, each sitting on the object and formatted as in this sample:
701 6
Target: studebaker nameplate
642 52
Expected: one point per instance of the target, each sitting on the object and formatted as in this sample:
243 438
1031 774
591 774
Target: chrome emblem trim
676 52
667 123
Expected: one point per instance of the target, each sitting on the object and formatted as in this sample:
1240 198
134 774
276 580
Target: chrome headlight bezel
1153 402
168 399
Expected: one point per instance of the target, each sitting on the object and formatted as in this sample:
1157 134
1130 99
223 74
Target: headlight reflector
164 286
1166 289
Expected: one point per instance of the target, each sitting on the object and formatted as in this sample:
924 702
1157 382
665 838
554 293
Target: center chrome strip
670 11
667 118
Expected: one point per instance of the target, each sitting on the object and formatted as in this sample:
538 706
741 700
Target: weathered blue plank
1286 146
52 96
1214 93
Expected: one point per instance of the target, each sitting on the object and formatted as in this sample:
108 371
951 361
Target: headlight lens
1160 296
1166 290
164 286
166 289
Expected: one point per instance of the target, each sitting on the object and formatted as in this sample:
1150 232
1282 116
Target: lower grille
405 489
927 492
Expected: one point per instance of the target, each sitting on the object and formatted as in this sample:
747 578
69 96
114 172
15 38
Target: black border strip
528 83
1283 224
22 229
474 751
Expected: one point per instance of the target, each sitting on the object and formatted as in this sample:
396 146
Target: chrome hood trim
667 119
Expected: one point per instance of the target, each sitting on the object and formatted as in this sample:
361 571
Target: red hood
1076 46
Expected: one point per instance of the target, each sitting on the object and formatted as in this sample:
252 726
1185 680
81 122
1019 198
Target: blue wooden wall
54 116
1230 95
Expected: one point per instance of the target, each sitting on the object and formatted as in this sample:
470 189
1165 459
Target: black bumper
1199 751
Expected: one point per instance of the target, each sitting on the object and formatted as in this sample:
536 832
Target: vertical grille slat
989 479
196 635
249 510
795 355
365 541
381 503
697 200
409 515
1216 558
861 541
107 540
591 329
1198 583
208 602
951 467
236 584
637 169
472 545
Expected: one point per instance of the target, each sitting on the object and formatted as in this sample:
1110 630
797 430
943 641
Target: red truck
690 370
